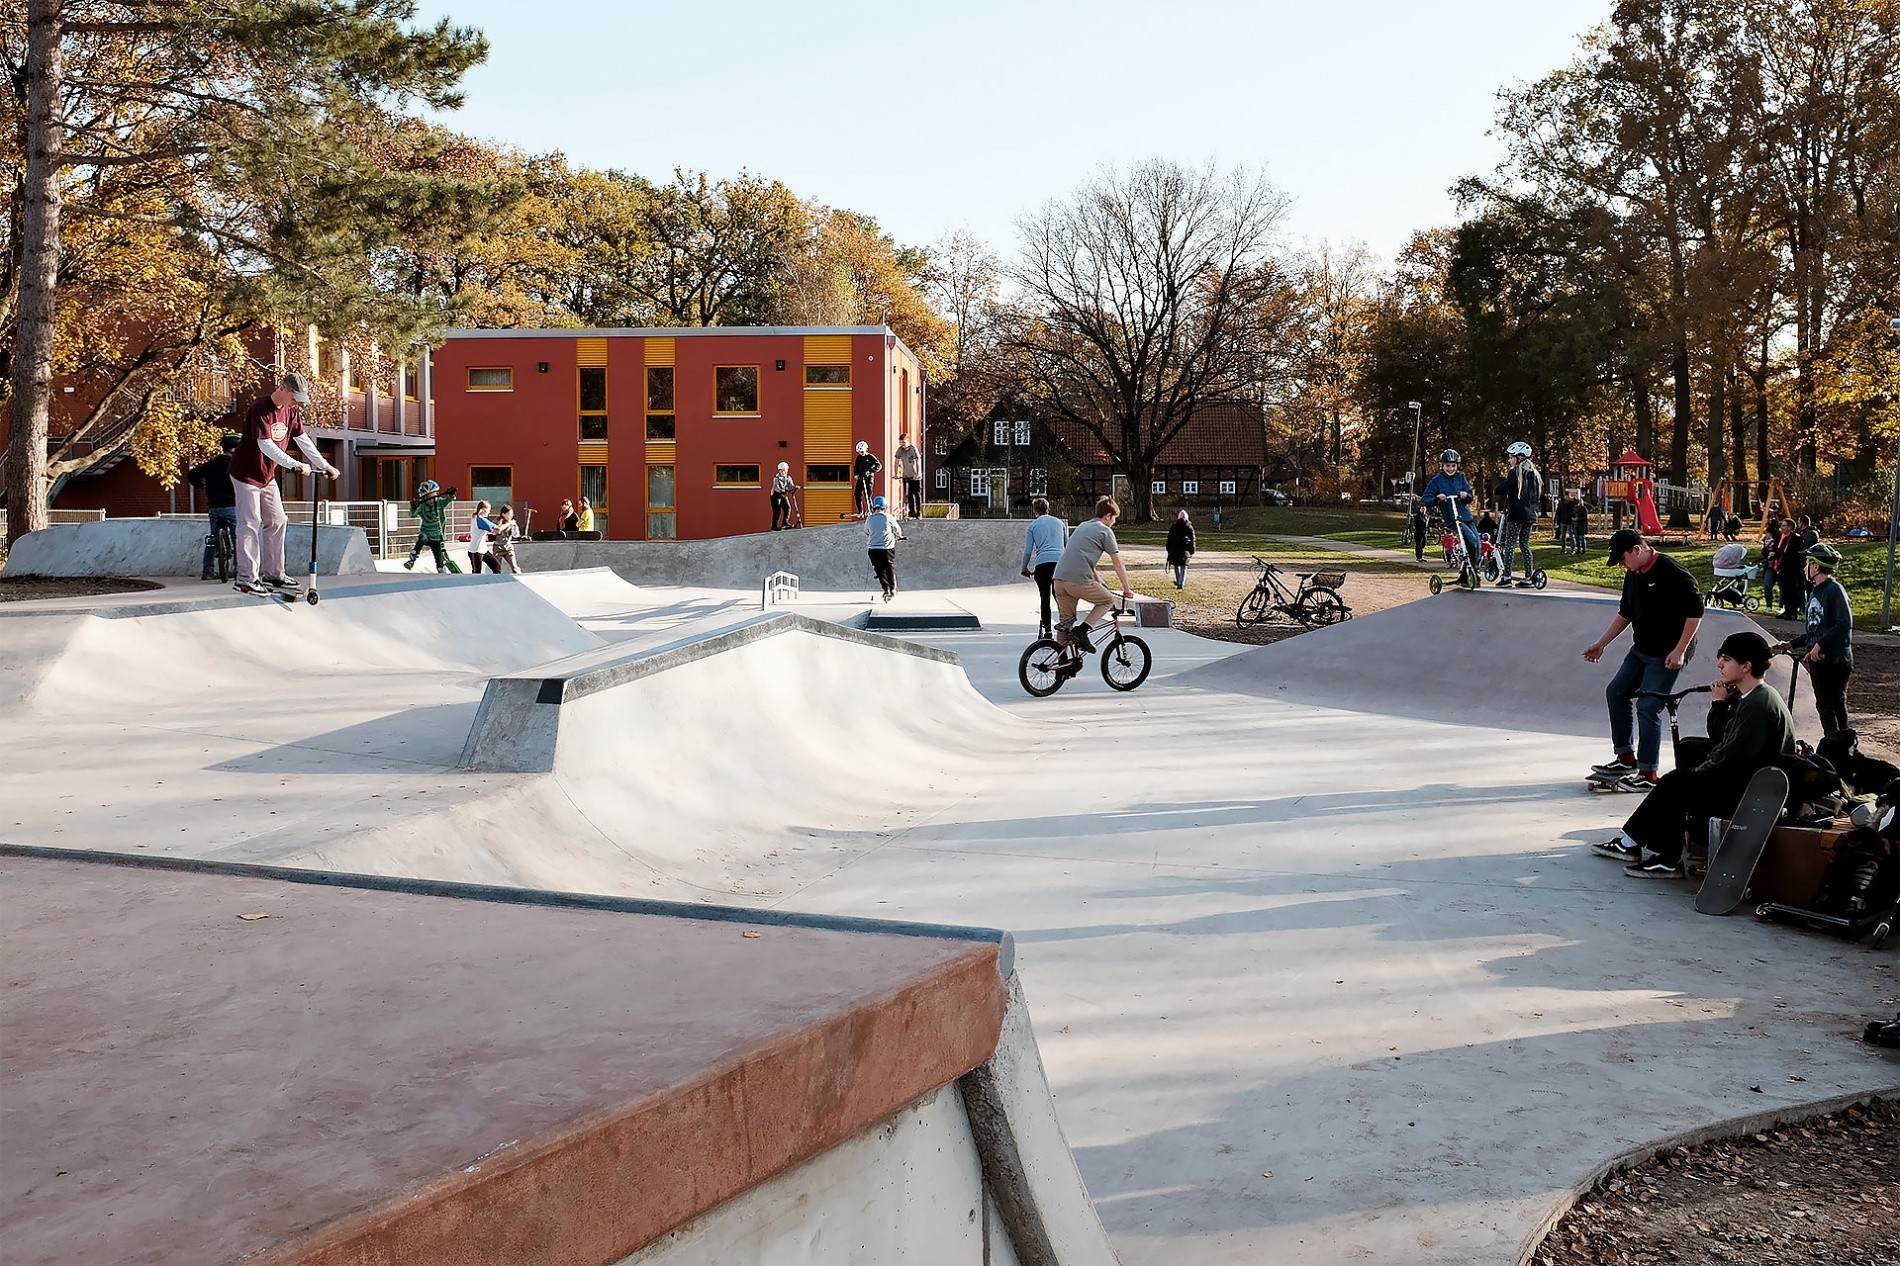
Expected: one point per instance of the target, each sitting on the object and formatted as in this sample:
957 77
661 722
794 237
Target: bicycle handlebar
1675 698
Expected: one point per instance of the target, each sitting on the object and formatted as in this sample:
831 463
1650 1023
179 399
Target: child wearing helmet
1522 492
883 534
1448 494
431 509
1827 644
864 468
782 497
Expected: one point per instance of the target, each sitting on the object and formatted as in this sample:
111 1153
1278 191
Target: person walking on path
501 546
1042 550
910 469
1075 576
1449 492
1827 646
782 497
1523 495
1662 608
1580 527
431 509
213 477
1561 520
883 534
864 469
1750 727
1421 526
269 424
1180 547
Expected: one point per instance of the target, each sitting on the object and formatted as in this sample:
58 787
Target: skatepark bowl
559 919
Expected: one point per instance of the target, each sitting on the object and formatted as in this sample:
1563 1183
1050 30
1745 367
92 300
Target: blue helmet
877 503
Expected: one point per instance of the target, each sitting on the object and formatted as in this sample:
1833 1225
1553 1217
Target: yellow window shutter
659 351
827 349
590 351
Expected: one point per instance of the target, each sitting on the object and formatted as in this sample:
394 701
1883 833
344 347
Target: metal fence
61 516
388 525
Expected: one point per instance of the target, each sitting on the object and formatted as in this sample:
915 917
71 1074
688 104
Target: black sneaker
1654 868
1637 781
1079 638
279 582
1614 768
1620 849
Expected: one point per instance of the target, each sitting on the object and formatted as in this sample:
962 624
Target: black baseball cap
1622 542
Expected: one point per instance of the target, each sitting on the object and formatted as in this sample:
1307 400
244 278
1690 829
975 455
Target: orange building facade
672 433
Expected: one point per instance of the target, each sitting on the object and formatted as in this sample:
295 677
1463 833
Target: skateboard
1733 865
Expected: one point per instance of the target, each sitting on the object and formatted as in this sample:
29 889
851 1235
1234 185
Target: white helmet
1519 449
783 467
863 447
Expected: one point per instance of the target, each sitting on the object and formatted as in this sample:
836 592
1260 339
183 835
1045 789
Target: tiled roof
1224 433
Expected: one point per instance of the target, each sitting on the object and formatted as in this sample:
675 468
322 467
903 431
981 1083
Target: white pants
260 513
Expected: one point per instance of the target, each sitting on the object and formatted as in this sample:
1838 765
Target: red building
671 433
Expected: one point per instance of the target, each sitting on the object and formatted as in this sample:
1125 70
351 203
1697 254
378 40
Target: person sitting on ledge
1751 727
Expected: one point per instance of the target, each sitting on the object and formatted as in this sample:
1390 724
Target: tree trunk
1763 467
39 275
1718 423
1685 409
1645 419
1738 445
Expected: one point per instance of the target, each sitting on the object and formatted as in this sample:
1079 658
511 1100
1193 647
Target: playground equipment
1630 482
1764 496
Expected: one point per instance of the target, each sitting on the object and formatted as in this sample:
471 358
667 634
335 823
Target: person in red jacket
268 425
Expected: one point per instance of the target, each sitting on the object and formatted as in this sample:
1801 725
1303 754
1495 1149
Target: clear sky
964 115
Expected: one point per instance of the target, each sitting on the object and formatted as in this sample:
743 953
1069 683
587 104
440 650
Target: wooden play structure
1754 496
1629 481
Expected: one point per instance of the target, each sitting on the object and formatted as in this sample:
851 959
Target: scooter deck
1733 866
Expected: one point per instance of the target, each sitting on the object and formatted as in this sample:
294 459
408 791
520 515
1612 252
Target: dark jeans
1639 672
1830 693
1045 586
1682 800
861 495
781 511
914 498
217 515
882 562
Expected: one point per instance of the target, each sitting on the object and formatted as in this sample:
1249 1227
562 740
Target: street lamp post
1418 417
1893 531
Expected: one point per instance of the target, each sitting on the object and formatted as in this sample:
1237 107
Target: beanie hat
1748 648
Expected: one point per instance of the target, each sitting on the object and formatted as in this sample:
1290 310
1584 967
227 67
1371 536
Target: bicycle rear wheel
1324 607
227 553
1253 608
1041 668
1125 663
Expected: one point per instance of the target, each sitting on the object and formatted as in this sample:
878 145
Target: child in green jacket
431 508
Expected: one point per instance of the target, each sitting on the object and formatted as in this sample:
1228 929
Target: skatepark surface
1321 965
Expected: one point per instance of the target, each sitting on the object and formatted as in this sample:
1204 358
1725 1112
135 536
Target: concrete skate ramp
170 547
509 1077
1501 658
936 554
593 591
190 658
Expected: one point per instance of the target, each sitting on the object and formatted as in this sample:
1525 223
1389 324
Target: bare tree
1142 291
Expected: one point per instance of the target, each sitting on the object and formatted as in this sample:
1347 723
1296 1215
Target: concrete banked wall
505 1077
170 547
937 554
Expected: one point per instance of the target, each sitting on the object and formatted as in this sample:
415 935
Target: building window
736 389
660 416
1158 487
493 484
839 473
941 445
408 381
1226 487
1190 487
1001 436
979 482
492 379
827 375
943 479
594 487
593 398
735 476
1038 482
1022 433
661 520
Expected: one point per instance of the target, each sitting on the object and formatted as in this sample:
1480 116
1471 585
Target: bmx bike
223 543
1316 603
1047 663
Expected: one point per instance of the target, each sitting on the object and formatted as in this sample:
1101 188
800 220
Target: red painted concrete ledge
391 1072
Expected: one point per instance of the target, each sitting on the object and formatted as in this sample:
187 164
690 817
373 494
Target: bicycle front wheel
1040 669
1125 663
1253 608
227 554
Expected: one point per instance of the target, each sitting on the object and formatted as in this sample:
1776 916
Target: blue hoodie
1454 486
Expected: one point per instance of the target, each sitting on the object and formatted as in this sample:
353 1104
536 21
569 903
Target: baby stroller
1733 577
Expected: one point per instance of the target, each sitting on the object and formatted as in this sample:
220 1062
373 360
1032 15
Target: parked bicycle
1047 663
1315 603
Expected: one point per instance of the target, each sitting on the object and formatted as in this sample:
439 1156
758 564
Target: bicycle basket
1328 579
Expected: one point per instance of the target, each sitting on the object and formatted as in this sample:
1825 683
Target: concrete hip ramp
1499 658
170 547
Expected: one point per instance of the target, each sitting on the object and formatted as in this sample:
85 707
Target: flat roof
392 1070
674 331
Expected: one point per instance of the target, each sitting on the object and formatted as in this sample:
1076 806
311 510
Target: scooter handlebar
1677 697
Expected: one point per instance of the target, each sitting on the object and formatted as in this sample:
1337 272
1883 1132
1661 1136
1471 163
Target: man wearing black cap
1662 608
268 425
1750 726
